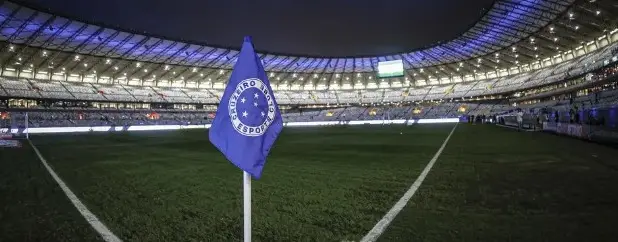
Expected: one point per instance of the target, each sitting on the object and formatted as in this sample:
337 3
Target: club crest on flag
251 108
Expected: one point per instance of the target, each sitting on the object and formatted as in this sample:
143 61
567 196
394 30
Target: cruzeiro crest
251 107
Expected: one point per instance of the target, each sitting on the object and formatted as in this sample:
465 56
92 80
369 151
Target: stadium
488 120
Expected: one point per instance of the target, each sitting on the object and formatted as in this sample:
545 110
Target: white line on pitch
379 228
107 235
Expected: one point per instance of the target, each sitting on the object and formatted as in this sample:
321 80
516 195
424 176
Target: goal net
13 125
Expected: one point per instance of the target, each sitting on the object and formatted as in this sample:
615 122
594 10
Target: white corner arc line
105 233
379 228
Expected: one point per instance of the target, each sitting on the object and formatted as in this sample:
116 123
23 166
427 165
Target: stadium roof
512 33
319 28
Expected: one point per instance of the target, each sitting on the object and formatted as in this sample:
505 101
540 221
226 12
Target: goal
14 125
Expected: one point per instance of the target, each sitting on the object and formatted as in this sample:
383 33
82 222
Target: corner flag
248 120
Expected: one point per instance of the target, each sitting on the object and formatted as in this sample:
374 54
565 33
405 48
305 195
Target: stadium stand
66 90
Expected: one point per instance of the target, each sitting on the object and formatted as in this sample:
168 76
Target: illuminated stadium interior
512 37
358 98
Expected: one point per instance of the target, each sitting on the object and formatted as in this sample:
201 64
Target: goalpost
14 125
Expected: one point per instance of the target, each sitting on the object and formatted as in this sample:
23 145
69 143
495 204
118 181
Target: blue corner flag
248 120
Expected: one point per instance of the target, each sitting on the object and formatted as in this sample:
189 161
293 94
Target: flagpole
26 130
247 206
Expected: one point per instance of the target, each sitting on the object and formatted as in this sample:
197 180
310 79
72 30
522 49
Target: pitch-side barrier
85 129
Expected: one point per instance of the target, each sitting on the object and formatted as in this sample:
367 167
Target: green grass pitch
319 184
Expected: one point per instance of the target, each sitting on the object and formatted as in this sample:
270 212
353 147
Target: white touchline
91 218
379 228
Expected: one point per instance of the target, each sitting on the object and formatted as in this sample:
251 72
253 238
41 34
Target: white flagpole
26 130
247 206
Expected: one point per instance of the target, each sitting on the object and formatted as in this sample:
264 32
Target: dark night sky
298 27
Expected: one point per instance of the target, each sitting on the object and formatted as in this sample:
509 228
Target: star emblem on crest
251 116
